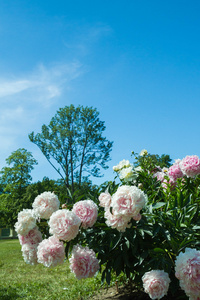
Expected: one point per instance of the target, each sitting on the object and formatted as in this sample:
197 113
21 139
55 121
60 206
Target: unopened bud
140 185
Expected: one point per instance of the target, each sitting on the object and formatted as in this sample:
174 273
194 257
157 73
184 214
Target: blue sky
137 62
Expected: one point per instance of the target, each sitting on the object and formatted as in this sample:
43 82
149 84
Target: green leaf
158 205
114 243
159 250
108 276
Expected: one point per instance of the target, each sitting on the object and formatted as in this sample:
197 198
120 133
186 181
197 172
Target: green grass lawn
19 280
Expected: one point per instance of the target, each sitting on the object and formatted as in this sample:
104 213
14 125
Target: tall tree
14 180
73 143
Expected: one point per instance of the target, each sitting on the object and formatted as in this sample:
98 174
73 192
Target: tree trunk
72 170
82 160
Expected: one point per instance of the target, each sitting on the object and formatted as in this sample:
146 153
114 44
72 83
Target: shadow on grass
9 294
21 291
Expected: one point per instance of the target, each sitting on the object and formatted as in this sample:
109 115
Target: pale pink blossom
45 204
29 253
190 165
105 199
83 262
26 222
156 283
170 182
125 204
51 252
187 270
33 237
117 222
175 172
128 201
64 224
159 175
87 211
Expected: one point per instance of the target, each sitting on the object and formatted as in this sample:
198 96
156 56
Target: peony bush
142 227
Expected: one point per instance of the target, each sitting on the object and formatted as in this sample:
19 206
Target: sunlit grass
21 281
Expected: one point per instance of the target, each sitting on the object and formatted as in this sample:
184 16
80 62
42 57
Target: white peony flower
127 174
143 152
29 253
45 204
122 164
26 222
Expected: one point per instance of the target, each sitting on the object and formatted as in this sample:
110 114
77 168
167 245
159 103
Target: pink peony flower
51 252
26 222
128 201
175 172
87 211
190 166
83 262
29 253
156 283
105 199
64 224
125 204
33 237
187 270
117 222
45 204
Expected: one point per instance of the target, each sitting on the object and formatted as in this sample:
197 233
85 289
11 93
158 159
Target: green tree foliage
13 181
39 187
152 160
73 144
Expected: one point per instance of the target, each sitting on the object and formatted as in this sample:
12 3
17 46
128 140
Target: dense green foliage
14 180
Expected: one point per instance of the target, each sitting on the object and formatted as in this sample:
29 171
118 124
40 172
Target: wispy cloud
48 82
25 98
10 87
87 37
